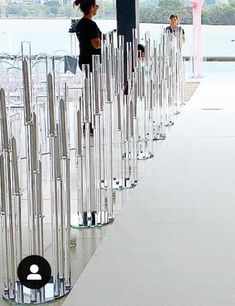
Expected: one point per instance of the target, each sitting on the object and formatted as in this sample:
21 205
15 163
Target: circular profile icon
34 272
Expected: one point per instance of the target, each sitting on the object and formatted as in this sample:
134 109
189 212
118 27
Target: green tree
66 11
107 10
161 13
186 16
229 15
147 14
231 3
53 7
215 14
205 16
13 9
168 7
41 10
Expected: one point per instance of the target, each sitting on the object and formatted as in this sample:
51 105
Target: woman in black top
88 33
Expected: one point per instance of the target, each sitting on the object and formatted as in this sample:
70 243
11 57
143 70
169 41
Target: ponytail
77 2
84 5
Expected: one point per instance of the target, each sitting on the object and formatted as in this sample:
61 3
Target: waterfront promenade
173 243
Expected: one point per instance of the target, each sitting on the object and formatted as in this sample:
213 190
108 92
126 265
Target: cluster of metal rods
114 119
11 194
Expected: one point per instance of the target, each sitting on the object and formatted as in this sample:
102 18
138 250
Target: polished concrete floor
87 240
173 243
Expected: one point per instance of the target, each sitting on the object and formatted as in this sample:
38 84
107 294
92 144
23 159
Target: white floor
173 244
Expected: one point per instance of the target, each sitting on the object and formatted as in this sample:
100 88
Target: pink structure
197 56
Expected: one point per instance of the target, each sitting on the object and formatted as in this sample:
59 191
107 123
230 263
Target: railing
186 58
212 58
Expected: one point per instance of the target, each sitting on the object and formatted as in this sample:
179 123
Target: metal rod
3 117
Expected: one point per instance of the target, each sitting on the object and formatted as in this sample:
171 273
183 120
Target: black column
127 19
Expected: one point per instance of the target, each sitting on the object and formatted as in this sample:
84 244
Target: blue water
51 35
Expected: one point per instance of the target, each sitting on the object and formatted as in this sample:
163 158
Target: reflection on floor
174 243
87 240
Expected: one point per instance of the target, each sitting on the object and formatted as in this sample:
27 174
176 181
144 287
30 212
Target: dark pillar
127 19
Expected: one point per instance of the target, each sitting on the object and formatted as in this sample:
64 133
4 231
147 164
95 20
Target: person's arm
95 36
96 43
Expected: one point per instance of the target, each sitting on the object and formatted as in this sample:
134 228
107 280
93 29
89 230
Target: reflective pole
7 206
97 137
65 198
53 141
109 132
34 197
17 210
77 219
89 212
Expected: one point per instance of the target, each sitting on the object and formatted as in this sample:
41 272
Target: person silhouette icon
34 271
34 276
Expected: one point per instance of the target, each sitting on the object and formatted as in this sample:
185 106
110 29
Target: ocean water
51 36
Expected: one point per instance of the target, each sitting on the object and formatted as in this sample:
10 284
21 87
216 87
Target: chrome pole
89 211
127 182
17 212
109 132
65 197
4 244
7 204
97 137
78 218
53 138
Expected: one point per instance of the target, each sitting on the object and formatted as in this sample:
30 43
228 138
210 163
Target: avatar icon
34 276
34 272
